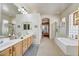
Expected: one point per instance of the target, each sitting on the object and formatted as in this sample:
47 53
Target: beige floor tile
49 48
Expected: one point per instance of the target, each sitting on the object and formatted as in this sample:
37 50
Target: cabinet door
6 52
29 41
25 45
17 49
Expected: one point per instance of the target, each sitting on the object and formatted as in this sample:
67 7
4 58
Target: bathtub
68 46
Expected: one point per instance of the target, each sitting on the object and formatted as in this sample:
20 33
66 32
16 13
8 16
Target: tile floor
32 51
47 47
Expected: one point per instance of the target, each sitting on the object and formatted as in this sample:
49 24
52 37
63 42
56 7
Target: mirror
7 14
4 27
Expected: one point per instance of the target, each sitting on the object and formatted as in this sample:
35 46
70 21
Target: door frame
48 23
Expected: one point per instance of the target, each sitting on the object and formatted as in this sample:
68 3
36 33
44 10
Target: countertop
13 42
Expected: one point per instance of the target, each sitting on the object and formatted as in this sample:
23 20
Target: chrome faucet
17 35
12 36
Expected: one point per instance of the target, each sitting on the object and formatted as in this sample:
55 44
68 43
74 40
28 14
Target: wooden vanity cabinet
17 49
29 41
6 52
25 45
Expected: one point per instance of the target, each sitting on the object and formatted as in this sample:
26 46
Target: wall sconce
63 20
36 26
78 8
18 26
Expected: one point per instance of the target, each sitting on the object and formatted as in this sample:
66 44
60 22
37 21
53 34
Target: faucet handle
21 37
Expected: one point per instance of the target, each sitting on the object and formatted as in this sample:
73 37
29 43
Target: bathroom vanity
16 47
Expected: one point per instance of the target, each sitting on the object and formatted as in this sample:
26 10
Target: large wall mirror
5 24
4 27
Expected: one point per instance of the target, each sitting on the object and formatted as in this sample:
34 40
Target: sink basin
3 41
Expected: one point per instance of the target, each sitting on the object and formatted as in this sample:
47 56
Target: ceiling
45 8
8 9
52 8
11 9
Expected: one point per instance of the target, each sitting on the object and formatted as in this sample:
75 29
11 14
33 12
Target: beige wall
0 20
66 14
70 9
34 19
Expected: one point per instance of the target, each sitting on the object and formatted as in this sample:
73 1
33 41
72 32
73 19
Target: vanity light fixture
5 21
63 20
78 8
13 22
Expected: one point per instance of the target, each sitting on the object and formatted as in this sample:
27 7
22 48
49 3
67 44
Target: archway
45 27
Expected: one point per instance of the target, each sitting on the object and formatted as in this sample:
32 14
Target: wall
73 29
70 28
0 21
70 9
53 19
35 21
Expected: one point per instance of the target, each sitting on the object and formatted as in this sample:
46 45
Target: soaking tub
68 46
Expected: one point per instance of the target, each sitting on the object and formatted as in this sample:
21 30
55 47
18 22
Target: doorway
45 27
